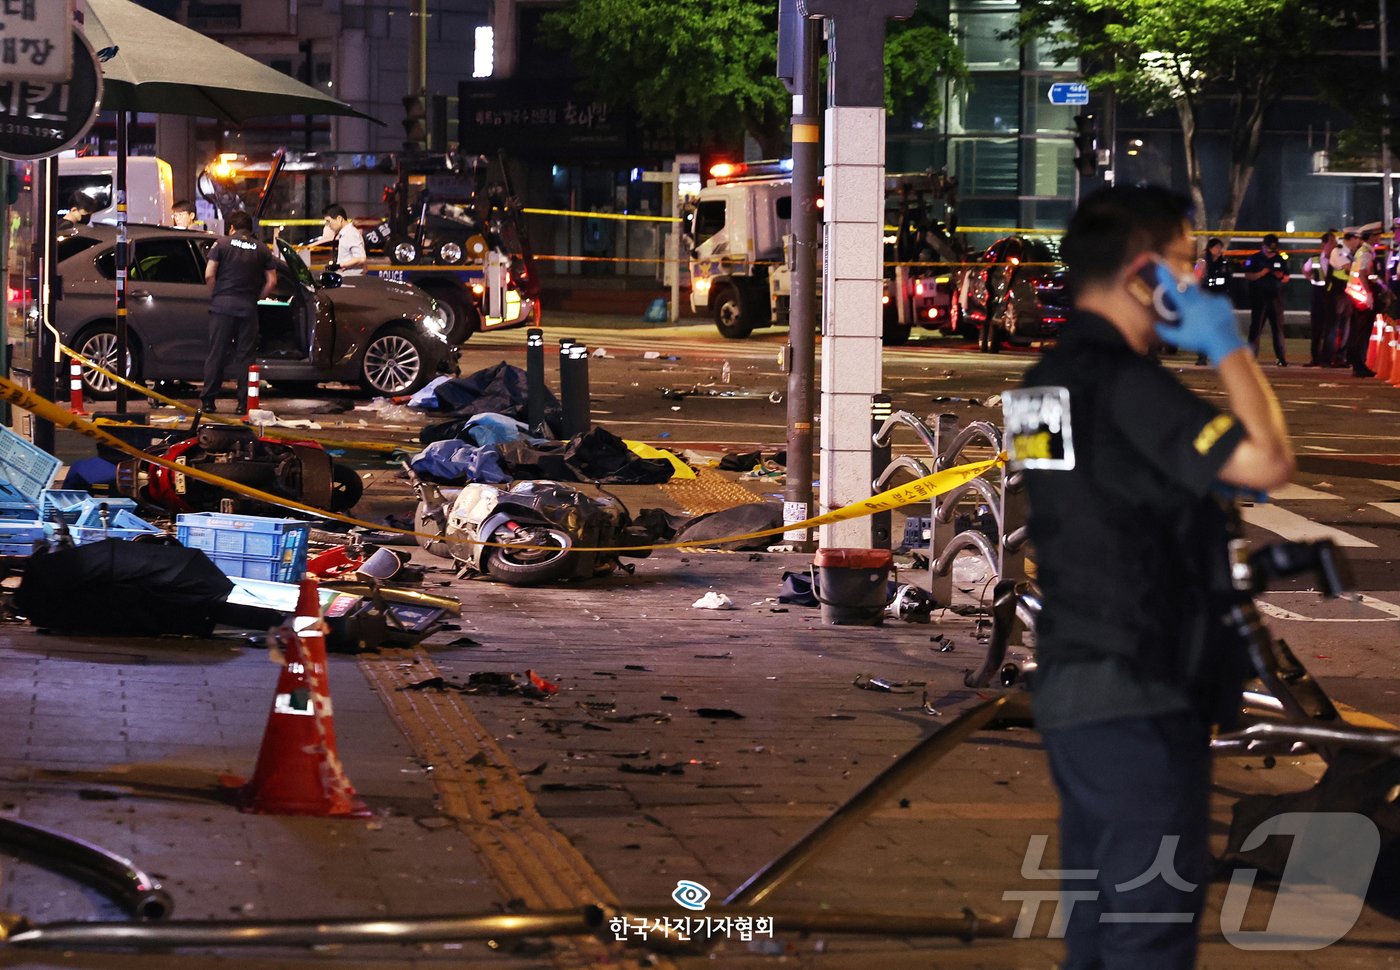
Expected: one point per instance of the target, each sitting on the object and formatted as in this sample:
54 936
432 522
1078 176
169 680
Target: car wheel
394 362
730 319
99 345
463 319
401 251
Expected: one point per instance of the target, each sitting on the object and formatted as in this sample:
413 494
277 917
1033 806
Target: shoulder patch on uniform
1210 434
1038 431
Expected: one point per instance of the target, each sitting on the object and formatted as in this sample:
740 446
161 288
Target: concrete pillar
851 312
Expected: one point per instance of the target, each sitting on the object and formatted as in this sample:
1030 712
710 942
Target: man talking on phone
1121 465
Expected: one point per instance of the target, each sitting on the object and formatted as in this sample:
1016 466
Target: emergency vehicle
446 229
741 236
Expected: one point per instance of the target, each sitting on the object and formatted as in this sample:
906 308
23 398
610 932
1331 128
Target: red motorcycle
296 470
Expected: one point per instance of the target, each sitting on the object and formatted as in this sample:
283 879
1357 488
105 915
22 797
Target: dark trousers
232 340
1266 307
1127 787
1323 314
1361 323
1346 311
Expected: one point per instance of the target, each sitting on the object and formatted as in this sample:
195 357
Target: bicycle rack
999 491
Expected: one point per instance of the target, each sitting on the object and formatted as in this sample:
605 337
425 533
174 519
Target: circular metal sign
40 118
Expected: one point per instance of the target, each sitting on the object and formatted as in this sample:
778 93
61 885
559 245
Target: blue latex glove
1205 321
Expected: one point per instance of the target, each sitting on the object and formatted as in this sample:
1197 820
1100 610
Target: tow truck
447 228
741 268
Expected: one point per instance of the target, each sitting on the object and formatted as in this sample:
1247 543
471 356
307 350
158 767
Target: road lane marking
1291 525
1391 611
1300 493
1387 482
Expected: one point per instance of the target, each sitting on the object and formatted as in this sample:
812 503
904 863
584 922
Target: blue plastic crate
67 504
248 546
25 467
17 538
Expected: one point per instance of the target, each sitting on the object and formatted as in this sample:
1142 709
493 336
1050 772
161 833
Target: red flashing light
918 287
725 170
885 299
933 313
1014 261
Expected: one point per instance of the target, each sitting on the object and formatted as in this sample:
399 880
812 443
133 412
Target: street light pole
1387 205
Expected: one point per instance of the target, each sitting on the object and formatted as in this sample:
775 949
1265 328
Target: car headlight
435 322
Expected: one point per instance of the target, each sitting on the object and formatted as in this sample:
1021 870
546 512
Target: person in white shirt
183 216
349 241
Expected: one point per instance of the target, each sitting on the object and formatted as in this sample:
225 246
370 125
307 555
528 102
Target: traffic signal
415 123
1086 144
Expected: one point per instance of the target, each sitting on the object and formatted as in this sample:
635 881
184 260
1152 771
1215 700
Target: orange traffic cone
1393 342
299 770
1385 351
1378 342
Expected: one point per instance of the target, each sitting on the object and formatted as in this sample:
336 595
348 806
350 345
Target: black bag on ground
1354 782
122 588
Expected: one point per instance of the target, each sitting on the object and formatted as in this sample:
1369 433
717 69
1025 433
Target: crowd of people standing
1350 284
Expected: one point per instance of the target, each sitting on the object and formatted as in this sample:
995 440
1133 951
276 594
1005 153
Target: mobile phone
1152 294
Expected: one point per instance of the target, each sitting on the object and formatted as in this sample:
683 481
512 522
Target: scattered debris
655 769
635 667
467 643
528 684
719 714
715 656
879 684
714 601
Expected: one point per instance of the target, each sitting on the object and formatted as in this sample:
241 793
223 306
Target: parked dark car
388 337
1016 294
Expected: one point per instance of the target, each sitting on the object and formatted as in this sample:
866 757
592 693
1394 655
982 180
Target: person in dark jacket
1267 271
1120 460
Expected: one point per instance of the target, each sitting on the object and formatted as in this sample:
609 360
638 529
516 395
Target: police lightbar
768 168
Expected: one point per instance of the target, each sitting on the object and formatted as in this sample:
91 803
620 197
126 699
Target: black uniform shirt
1127 457
1268 284
238 282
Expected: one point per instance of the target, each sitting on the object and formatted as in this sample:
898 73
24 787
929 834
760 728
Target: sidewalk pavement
627 780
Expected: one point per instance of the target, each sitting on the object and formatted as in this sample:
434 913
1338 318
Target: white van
150 187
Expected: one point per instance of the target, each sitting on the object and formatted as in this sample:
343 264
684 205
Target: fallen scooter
301 471
555 531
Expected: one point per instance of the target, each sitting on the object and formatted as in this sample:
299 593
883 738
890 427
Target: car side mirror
330 279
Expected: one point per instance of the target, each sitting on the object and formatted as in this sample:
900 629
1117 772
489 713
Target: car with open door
388 337
1015 293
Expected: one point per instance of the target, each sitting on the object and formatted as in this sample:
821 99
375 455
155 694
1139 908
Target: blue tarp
459 461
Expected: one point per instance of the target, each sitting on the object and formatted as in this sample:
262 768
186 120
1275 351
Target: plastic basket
24 465
17 538
66 504
248 546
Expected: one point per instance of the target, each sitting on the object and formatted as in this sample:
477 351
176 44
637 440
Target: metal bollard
945 428
573 389
534 379
881 407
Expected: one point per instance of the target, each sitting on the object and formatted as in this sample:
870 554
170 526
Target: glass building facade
1010 149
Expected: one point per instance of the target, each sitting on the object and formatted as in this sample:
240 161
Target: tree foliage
701 70
704 70
1182 55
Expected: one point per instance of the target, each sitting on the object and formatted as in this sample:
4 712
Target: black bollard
573 389
566 387
880 523
534 379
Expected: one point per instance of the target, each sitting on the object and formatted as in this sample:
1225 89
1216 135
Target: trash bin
853 585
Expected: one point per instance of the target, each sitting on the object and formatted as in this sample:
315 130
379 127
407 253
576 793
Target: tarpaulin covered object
499 389
458 461
597 455
117 587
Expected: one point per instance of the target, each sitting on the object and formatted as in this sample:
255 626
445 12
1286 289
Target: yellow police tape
919 490
294 435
